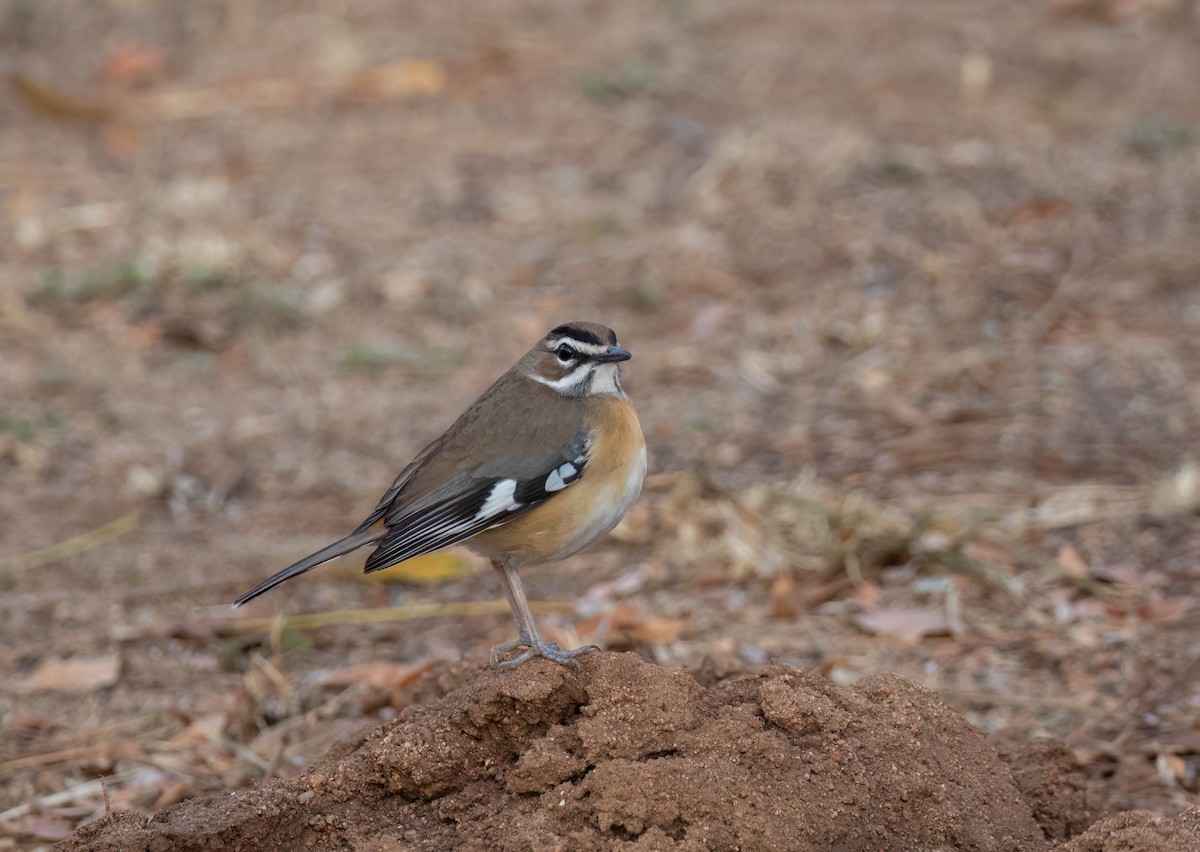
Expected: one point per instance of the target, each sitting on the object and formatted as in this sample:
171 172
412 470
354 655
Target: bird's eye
565 353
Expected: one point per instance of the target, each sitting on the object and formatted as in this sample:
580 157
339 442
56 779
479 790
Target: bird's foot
549 650
523 641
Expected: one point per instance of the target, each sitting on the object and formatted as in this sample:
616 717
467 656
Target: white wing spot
562 477
555 482
499 501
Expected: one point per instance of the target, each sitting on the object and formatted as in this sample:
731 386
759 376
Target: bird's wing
390 497
488 493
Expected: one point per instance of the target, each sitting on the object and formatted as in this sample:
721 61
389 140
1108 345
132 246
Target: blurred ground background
912 293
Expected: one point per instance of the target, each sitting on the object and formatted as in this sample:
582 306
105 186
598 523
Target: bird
544 462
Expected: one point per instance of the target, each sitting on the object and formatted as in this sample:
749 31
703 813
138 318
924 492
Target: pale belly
613 508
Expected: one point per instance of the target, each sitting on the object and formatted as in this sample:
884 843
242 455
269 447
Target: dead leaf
44 828
1037 209
1164 611
196 332
76 675
1114 11
379 675
1171 767
907 625
143 792
867 595
990 552
121 140
105 757
418 78
28 724
131 66
629 623
203 730
813 596
627 584
659 631
1120 573
625 616
172 793
112 322
384 682
1071 563
783 596
105 752
477 73
1184 741
50 102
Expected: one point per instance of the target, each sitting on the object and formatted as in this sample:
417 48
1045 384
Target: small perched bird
546 461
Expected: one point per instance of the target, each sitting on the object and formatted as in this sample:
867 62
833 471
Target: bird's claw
522 641
549 650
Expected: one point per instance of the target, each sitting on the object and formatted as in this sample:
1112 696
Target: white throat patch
606 380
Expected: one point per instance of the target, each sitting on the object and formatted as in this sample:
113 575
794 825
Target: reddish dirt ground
913 292
623 750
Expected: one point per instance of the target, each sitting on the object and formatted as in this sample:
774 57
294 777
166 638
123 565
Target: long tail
351 542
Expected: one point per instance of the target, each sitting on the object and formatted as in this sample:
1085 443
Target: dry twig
74 545
381 615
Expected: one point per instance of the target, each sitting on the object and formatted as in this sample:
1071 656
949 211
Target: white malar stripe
499 501
570 380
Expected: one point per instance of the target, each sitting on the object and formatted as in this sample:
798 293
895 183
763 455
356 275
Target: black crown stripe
580 334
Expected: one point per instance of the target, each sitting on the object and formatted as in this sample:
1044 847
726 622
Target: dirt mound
1141 831
1050 779
550 757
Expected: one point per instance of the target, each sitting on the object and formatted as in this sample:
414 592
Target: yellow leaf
53 103
431 569
417 78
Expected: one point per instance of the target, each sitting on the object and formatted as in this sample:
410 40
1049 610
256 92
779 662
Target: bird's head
578 359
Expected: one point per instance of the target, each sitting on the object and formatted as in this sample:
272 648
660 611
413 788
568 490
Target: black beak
614 354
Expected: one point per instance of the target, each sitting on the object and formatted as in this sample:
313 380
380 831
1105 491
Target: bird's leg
527 631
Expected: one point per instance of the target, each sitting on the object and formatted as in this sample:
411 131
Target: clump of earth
616 751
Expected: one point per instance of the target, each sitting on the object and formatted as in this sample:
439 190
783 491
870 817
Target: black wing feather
437 526
455 515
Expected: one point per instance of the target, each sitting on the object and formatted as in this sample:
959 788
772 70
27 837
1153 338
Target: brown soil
549 757
912 294
1140 831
